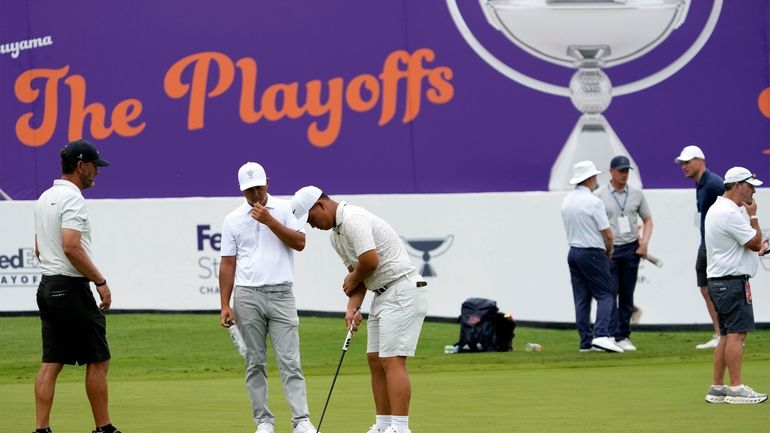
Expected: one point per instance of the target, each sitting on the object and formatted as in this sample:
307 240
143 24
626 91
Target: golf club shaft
328 397
345 346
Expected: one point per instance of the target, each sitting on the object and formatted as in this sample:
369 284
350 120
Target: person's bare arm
79 258
607 236
226 281
292 238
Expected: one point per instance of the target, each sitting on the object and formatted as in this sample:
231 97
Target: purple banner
356 97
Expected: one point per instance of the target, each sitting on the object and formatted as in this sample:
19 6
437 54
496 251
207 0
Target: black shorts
732 300
74 329
700 268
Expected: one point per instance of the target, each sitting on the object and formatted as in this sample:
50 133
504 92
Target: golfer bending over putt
376 261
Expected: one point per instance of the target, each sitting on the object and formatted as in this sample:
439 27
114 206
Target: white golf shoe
607 344
304 427
394 429
265 428
626 345
716 394
744 395
711 344
374 429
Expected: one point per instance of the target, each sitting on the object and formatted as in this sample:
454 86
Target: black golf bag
483 328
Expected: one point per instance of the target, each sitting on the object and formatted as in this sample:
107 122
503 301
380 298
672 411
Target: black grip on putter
345 346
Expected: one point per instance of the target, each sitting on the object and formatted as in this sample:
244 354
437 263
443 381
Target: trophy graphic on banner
589 36
427 249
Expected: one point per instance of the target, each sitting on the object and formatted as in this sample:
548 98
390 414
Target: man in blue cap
626 206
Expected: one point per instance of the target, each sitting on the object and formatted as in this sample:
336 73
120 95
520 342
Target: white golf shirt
359 231
584 218
727 230
261 258
61 206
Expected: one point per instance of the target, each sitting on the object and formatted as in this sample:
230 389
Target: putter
345 346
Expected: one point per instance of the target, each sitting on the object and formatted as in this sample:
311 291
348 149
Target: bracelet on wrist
101 283
754 217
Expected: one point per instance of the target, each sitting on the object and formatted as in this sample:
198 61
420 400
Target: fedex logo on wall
207 239
208 244
19 268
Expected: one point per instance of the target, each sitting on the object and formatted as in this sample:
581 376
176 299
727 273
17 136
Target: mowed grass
179 373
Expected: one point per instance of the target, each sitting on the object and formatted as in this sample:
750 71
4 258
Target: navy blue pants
624 268
589 270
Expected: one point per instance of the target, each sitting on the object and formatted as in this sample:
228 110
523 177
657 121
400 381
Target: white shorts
395 320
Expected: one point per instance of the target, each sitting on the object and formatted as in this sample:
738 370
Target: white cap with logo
250 175
303 200
689 153
740 174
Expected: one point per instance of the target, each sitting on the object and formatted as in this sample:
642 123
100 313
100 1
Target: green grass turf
179 373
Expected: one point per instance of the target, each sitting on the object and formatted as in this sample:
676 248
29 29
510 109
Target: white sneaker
305 427
716 394
626 345
264 428
394 429
374 429
711 344
607 344
744 395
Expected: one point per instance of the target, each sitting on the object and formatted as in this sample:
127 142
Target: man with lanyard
257 270
733 238
625 204
377 262
708 186
590 240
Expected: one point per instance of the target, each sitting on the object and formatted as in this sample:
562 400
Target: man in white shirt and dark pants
590 240
733 238
257 270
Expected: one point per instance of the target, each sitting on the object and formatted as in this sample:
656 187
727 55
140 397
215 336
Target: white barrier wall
162 254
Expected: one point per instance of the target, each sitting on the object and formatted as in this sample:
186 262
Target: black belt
730 277
382 289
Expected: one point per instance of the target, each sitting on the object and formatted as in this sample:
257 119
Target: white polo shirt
584 218
727 230
61 206
359 231
261 258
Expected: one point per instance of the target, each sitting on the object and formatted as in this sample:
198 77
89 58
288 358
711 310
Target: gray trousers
260 311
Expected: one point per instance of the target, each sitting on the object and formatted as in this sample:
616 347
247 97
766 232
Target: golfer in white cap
377 262
733 238
590 240
257 270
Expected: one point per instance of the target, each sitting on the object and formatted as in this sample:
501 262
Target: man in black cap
73 326
625 206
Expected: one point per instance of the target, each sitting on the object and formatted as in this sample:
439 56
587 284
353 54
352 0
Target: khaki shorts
395 320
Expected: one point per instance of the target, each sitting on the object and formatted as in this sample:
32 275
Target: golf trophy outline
589 36
428 249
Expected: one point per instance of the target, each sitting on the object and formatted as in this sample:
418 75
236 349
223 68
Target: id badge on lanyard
624 225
